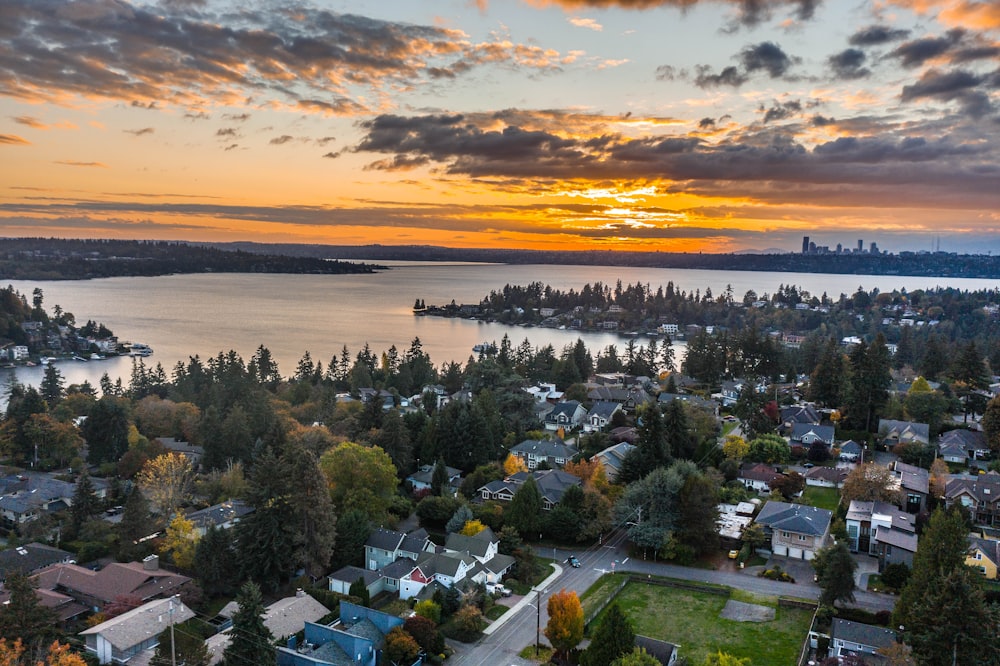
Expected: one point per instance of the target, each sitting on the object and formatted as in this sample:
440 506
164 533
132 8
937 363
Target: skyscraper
805 244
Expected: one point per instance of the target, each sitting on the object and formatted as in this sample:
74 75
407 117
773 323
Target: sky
668 125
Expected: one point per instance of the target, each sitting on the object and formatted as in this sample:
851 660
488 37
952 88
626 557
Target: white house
123 637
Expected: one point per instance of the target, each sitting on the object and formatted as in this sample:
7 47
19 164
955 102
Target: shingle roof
384 539
800 430
286 616
220 514
988 547
141 624
797 518
862 634
476 546
550 448
29 558
913 478
116 579
604 409
831 474
351 574
969 440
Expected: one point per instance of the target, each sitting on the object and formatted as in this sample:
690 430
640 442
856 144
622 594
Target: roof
952 449
831 474
116 579
800 430
904 431
415 541
970 440
29 558
140 624
477 545
988 547
758 472
897 538
863 511
220 514
446 564
351 574
850 447
604 409
426 474
499 563
399 568
800 414
862 634
797 518
659 650
550 448
614 455
984 488
567 408
286 616
384 539
913 478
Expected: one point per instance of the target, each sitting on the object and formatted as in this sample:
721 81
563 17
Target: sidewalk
526 600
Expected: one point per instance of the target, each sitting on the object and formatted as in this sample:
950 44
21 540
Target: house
485 547
849 638
628 398
119 639
980 495
221 516
883 530
567 415
542 393
663 652
807 434
903 432
144 580
552 483
28 496
798 414
757 476
446 568
30 558
356 639
970 442
612 458
384 547
796 530
283 618
984 556
914 486
710 406
422 479
851 451
600 415
342 579
729 393
192 452
826 477
554 452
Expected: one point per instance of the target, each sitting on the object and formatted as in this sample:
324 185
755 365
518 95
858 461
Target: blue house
356 639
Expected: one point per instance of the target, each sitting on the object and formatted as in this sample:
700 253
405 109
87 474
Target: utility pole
173 646
538 620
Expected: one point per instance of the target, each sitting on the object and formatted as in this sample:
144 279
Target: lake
183 315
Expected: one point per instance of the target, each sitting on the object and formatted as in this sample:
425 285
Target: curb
516 608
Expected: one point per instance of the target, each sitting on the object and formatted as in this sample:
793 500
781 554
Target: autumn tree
735 447
565 627
425 632
938 478
166 481
613 637
768 448
180 542
57 654
360 478
869 482
472 528
513 464
400 647
637 657
251 641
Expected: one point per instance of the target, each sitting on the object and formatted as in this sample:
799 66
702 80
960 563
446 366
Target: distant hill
939 264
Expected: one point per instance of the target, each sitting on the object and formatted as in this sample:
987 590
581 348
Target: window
977 556
786 535
802 537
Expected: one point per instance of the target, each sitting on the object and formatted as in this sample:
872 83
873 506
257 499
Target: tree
85 503
106 430
735 447
613 637
24 617
11 654
136 523
969 374
461 516
565 627
768 448
429 610
472 528
52 385
213 562
251 641
991 424
310 510
400 647
952 623
425 632
524 512
938 478
637 657
166 481
870 377
827 381
360 477
725 659
394 438
924 405
789 484
468 620
943 548
897 654
359 590
513 464
835 573
180 542
698 514
869 482
749 408
353 530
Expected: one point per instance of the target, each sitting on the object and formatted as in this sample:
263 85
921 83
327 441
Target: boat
45 360
139 349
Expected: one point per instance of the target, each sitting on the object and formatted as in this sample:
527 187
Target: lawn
823 498
691 620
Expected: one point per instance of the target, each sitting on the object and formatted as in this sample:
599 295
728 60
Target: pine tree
213 562
524 512
835 568
136 523
24 617
953 624
85 504
353 529
311 510
52 385
439 478
613 637
251 641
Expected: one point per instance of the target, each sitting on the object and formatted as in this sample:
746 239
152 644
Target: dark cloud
849 64
281 140
705 77
13 140
748 12
766 56
140 132
332 155
237 117
666 73
781 110
821 121
74 163
226 131
877 35
706 123
956 85
192 55
29 121
918 51
200 115
322 141
972 53
232 146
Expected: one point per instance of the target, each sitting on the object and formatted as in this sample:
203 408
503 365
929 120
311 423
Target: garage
795 553
781 550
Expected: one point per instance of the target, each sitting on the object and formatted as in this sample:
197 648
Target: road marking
625 560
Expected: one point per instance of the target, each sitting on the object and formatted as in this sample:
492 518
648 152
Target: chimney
299 592
151 562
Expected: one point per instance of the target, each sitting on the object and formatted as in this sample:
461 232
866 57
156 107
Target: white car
498 588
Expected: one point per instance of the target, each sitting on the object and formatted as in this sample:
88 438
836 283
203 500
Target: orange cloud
13 140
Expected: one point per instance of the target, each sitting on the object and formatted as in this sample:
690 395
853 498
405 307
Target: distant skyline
671 125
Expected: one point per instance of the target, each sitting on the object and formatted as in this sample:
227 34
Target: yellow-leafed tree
512 465
472 528
165 480
180 542
565 627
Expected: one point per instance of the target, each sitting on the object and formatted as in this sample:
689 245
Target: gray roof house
222 516
567 414
423 478
980 495
964 444
849 638
796 530
552 483
384 547
121 638
600 415
29 558
850 451
914 483
806 434
553 451
613 457
903 432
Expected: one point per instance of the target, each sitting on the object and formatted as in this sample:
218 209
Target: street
519 624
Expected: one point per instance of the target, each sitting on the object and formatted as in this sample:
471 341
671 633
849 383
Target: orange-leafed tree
565 627
513 464
12 654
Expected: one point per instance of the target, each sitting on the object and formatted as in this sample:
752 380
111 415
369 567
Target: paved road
519 629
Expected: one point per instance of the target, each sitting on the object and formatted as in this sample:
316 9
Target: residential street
518 629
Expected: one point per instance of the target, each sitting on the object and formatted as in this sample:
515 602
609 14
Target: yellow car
733 554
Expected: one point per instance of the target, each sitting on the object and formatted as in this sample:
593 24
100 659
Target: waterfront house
122 638
795 530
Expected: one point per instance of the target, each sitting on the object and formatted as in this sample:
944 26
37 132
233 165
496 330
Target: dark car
573 562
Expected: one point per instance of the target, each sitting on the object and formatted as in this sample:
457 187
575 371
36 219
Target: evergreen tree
394 438
461 516
835 568
970 377
870 378
359 590
24 617
310 510
106 430
952 623
52 385
991 424
136 523
265 537
85 504
677 430
749 408
439 478
251 641
934 361
698 514
524 512
353 530
213 562
827 381
613 637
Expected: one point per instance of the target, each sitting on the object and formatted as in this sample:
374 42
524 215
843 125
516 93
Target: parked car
498 589
573 562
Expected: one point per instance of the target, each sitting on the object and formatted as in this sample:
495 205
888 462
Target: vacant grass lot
691 620
822 498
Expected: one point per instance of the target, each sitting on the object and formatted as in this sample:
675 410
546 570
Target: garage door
795 553
781 550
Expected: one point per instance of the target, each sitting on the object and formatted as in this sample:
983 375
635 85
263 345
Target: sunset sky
674 125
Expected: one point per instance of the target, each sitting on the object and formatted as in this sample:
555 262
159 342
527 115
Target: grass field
691 620
823 498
